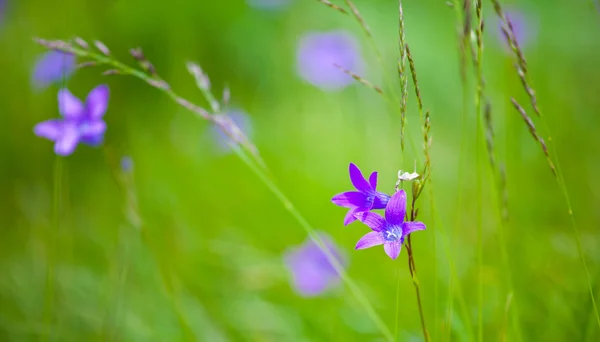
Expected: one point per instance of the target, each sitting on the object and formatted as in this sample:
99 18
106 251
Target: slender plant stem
397 319
413 271
51 248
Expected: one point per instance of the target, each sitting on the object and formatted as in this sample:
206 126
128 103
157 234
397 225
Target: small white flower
405 176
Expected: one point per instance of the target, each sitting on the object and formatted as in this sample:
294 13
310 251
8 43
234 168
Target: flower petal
97 101
66 144
357 179
369 240
69 106
380 201
373 220
392 249
350 216
373 180
409 227
396 208
350 199
51 129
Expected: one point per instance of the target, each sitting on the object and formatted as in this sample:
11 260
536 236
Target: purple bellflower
365 199
391 230
80 123
52 67
319 53
311 271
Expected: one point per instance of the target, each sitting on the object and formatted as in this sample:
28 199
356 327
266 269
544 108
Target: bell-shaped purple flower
364 199
311 271
319 53
391 230
81 122
52 67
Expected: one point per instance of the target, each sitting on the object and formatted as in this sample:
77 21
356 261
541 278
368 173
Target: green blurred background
208 266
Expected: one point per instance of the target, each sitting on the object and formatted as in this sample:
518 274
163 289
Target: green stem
51 238
259 168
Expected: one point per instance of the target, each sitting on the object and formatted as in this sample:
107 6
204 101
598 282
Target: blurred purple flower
390 231
311 271
268 4
318 53
365 199
2 9
80 123
126 164
51 67
524 28
242 120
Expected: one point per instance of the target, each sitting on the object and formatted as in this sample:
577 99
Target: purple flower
268 4
51 67
242 120
311 271
126 164
318 53
390 231
81 122
365 199
2 9
523 28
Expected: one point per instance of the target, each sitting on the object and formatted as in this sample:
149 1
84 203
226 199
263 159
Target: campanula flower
80 123
320 52
311 271
365 199
391 230
52 67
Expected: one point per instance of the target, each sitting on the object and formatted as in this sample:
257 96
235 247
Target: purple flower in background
126 164
390 231
242 120
268 4
365 199
311 271
51 67
81 122
318 53
2 9
523 26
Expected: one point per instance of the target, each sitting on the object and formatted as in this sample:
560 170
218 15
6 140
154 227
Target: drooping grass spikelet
521 66
359 18
102 47
332 6
413 71
360 79
87 64
533 132
427 140
402 72
489 133
138 54
82 43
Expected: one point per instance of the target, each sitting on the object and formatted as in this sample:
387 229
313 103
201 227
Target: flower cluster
389 231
